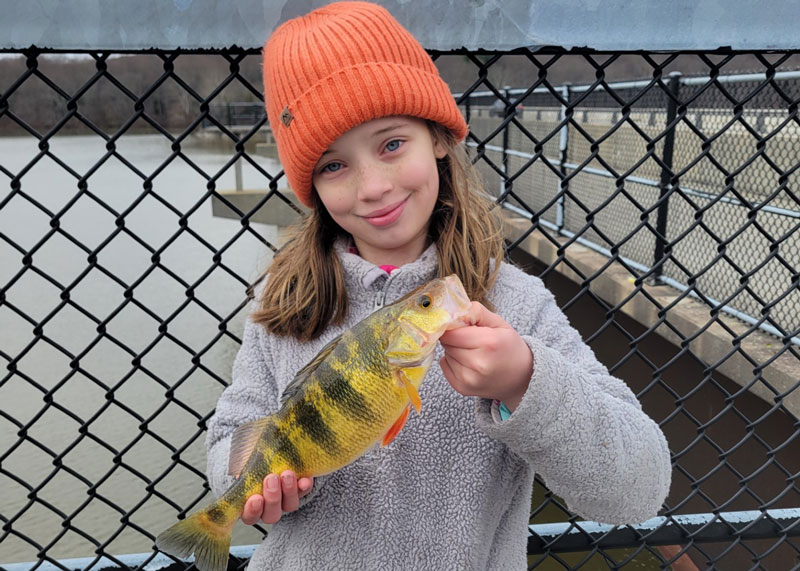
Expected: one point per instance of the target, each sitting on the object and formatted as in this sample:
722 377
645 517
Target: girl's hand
487 359
280 495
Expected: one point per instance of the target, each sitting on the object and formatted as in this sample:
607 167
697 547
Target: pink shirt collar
372 275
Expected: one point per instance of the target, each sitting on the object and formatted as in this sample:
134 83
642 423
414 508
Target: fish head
422 316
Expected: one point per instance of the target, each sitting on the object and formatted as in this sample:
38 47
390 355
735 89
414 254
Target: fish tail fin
205 534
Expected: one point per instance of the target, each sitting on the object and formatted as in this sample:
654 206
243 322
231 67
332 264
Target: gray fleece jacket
453 490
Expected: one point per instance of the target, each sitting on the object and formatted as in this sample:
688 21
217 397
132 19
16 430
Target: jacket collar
363 276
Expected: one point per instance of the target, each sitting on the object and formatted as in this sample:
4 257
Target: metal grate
122 298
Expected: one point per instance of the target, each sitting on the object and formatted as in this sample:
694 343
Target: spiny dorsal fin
244 442
293 387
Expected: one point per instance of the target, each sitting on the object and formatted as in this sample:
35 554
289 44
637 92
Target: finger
474 336
252 509
480 316
304 486
458 358
272 499
289 489
446 370
450 369
466 338
465 374
461 358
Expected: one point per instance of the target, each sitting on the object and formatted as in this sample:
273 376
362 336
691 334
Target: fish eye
425 301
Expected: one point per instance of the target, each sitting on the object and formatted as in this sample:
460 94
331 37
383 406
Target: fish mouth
453 302
456 302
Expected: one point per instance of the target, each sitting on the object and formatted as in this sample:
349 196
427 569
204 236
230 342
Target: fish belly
327 430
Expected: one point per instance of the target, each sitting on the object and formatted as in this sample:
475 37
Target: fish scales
354 399
303 436
354 394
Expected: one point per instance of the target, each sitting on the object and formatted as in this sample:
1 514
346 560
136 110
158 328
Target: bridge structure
660 210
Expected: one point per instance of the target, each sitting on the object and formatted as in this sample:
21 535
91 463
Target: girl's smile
385 216
379 182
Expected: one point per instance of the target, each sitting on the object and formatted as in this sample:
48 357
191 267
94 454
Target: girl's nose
373 182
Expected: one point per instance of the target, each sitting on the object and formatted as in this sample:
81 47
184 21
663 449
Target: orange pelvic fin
396 427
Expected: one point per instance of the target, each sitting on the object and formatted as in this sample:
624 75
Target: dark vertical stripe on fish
286 448
217 515
342 394
310 420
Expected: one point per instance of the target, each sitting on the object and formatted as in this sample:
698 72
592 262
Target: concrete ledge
687 317
615 284
275 211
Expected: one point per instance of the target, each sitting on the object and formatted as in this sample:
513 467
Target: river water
90 417
84 430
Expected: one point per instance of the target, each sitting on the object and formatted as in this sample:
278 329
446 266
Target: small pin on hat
286 116
360 64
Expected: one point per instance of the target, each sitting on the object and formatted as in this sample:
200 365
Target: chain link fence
122 297
718 178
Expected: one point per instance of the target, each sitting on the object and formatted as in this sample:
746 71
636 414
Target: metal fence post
563 147
467 107
237 169
666 173
508 112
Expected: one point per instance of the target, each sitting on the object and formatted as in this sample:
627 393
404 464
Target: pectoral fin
396 427
412 390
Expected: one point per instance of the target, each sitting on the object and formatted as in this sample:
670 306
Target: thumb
479 316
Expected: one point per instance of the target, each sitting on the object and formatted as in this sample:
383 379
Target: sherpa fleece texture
453 490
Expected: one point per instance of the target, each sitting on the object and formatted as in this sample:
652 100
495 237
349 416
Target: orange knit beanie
337 67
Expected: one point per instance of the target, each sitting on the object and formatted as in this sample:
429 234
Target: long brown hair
306 288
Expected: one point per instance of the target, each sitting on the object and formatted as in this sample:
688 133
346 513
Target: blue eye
332 167
393 145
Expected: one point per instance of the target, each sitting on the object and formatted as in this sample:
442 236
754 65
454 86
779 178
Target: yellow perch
355 393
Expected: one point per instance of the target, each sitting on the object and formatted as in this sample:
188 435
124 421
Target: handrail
552 537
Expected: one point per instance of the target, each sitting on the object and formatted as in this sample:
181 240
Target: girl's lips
384 218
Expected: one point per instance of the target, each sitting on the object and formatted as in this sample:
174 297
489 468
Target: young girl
370 139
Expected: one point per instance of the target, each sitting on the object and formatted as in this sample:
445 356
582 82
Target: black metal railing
737 172
663 213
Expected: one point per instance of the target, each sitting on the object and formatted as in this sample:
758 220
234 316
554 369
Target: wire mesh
126 257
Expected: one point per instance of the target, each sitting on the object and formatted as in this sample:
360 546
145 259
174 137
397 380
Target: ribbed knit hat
337 67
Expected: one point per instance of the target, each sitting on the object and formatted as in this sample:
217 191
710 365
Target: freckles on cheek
334 202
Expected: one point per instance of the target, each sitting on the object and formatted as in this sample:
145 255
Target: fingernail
272 483
288 479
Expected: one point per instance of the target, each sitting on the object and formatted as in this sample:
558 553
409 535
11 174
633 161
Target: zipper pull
380 297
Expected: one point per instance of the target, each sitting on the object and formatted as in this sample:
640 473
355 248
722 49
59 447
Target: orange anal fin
412 391
396 427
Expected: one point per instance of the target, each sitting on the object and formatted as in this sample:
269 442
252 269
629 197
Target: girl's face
379 182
